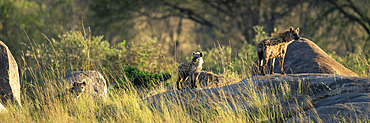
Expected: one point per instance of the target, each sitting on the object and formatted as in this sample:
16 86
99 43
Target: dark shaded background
181 25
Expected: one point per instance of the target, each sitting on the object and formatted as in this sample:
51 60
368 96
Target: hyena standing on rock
275 48
190 69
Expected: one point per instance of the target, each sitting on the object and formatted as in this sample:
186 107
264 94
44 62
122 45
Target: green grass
40 87
125 105
122 106
42 66
40 104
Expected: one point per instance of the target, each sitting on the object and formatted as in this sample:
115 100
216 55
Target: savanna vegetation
124 38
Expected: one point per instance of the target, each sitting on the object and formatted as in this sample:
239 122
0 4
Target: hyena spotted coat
275 48
190 69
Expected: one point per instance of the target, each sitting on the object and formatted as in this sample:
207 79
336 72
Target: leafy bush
75 50
140 78
149 56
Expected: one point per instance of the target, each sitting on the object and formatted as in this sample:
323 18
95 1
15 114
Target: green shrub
134 76
356 62
149 56
75 50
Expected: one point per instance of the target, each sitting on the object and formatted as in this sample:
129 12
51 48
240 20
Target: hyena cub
275 48
78 88
190 69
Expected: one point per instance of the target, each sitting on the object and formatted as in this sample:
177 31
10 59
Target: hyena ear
291 29
193 53
84 83
297 30
201 54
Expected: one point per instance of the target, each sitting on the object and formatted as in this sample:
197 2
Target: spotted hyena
275 48
78 88
190 69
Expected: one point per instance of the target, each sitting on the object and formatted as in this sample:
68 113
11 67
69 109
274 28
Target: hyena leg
282 64
260 60
260 63
272 66
263 65
194 80
179 82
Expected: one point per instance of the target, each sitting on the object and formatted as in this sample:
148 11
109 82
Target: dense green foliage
77 50
140 78
74 49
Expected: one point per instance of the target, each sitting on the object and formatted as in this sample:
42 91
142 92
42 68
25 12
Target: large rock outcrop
96 84
9 77
304 56
317 97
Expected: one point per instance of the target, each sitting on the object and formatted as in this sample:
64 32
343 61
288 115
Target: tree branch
349 16
358 11
187 13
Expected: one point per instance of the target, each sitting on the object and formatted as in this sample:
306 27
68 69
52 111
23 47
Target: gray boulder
332 97
304 56
318 97
347 107
96 84
9 77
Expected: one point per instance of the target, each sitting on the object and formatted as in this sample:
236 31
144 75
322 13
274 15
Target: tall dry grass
42 66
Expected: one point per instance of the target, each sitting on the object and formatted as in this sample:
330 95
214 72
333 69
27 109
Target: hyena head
79 87
197 56
294 33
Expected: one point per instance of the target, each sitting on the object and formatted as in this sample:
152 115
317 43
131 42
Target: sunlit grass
40 104
40 87
356 62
